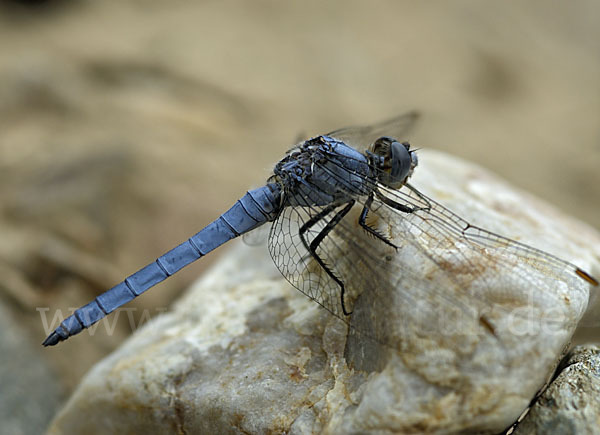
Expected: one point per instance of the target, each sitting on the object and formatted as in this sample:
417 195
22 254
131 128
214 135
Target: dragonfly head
394 161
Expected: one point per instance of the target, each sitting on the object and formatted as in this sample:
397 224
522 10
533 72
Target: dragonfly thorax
322 171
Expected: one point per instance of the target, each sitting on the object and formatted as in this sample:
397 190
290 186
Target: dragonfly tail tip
52 340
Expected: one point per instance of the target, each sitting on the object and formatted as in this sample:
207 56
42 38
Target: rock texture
243 352
571 403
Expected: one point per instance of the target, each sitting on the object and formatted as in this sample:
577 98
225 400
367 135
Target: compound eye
395 160
381 146
401 161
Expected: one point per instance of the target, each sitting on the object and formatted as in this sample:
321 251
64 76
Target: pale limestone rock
571 403
243 352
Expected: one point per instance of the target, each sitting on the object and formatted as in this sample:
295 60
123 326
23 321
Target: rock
571 403
30 391
243 352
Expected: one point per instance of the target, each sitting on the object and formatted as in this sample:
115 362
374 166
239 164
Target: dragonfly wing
256 237
499 277
360 137
294 261
388 300
447 283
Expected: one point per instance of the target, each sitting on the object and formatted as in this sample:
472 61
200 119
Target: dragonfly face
394 161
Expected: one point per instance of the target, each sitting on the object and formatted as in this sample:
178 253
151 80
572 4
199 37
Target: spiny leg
362 220
312 248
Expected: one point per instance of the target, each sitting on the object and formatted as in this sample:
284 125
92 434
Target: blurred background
126 126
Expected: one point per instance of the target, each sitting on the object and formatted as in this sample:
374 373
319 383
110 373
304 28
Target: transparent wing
360 137
378 286
448 280
296 264
256 237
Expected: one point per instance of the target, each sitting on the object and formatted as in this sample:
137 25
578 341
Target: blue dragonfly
320 247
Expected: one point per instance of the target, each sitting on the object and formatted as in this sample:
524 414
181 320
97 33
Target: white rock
245 352
571 403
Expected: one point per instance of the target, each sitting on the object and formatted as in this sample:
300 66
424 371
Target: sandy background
125 126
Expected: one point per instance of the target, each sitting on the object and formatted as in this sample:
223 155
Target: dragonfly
344 218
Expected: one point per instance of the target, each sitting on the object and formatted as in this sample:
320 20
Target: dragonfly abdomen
255 208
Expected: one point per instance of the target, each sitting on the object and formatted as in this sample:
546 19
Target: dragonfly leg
312 221
362 220
398 206
421 196
312 248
